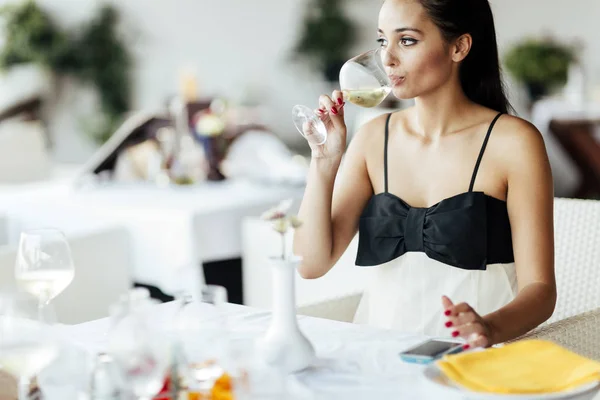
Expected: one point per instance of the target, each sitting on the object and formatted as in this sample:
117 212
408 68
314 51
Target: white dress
405 294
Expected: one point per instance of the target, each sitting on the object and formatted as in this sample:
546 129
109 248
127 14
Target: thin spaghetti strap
385 151
487 136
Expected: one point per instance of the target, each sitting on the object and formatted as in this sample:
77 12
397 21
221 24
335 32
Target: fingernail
321 110
466 347
334 111
340 101
447 312
448 324
455 334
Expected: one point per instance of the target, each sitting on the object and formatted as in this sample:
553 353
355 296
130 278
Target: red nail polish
447 312
334 111
448 324
455 334
466 347
340 101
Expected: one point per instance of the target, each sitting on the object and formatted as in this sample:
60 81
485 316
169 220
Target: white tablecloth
171 228
382 375
379 372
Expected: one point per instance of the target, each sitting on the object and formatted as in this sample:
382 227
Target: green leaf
95 54
543 62
327 34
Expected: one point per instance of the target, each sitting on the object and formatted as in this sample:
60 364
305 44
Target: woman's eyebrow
404 29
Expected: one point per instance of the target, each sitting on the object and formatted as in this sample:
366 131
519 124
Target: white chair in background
577 257
102 273
23 154
575 323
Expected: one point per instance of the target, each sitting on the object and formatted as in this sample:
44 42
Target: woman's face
415 55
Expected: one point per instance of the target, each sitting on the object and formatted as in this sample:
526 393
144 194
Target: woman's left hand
466 323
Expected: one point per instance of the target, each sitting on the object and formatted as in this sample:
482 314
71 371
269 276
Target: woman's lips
396 80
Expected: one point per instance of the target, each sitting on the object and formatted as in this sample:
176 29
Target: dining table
353 361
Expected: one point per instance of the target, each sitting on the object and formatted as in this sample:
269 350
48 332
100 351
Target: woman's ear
461 47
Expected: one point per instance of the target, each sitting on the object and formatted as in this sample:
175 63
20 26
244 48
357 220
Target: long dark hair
480 71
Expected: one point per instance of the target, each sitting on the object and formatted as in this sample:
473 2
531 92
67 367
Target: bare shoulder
368 137
366 130
372 133
518 141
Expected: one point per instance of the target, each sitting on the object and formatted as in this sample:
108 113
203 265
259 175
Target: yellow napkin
527 366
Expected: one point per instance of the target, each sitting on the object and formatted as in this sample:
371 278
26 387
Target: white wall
240 45
563 20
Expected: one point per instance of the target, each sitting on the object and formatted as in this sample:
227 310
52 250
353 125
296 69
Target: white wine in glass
363 82
46 284
44 266
366 97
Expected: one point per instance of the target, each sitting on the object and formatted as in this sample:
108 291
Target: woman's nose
388 59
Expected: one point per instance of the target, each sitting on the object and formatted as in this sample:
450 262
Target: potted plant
95 53
540 64
326 37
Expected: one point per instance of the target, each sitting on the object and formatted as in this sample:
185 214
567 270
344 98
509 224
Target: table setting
208 349
354 361
199 346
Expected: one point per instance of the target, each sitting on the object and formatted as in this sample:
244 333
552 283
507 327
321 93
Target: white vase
284 345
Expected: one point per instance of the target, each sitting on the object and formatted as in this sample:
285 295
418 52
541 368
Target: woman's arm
530 202
330 214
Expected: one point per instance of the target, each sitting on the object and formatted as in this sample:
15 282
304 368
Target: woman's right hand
331 112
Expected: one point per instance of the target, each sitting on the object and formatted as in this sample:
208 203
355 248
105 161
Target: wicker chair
577 257
580 333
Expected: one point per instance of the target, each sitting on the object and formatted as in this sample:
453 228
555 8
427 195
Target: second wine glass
203 338
27 345
363 82
44 265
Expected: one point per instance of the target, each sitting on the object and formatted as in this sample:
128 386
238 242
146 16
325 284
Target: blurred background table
171 229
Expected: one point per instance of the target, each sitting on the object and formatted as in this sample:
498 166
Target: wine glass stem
44 299
24 387
41 311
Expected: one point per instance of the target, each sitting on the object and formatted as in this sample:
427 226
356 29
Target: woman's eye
382 42
408 41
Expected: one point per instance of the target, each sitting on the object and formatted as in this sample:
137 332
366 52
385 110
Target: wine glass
363 81
44 266
69 375
27 345
253 377
141 350
202 333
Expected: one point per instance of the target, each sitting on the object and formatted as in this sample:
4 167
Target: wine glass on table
363 82
141 349
203 338
27 345
44 266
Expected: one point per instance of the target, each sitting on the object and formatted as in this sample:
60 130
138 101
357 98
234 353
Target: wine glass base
309 125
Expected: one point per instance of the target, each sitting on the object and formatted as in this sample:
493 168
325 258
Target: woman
452 198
